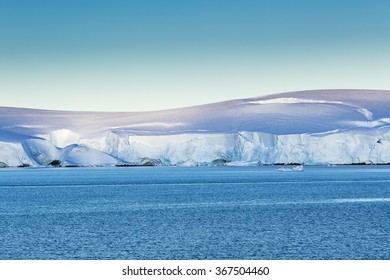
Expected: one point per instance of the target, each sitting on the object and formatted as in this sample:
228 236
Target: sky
141 55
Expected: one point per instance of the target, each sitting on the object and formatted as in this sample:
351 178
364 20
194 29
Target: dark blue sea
336 212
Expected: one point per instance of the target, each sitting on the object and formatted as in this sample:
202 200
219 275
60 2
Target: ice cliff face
310 127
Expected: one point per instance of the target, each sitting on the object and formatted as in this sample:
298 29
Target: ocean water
195 213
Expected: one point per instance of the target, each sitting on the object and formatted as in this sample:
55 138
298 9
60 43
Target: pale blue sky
133 55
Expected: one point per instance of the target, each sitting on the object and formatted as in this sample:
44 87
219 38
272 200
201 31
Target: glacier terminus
306 127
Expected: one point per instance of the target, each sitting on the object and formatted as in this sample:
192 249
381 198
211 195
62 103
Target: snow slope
311 127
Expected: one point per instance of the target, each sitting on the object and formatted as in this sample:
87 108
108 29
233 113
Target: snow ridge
289 100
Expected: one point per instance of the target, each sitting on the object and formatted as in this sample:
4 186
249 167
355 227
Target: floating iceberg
298 168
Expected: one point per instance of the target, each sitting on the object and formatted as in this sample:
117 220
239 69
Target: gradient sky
135 55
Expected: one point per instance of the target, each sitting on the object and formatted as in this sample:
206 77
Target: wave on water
359 200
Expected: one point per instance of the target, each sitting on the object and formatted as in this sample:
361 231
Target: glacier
306 127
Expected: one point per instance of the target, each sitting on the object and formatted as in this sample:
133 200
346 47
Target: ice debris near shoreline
307 127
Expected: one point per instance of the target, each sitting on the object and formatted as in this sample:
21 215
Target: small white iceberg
298 168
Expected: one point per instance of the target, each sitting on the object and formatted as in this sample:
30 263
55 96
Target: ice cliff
310 127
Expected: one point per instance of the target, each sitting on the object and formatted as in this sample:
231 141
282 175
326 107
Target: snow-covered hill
311 127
